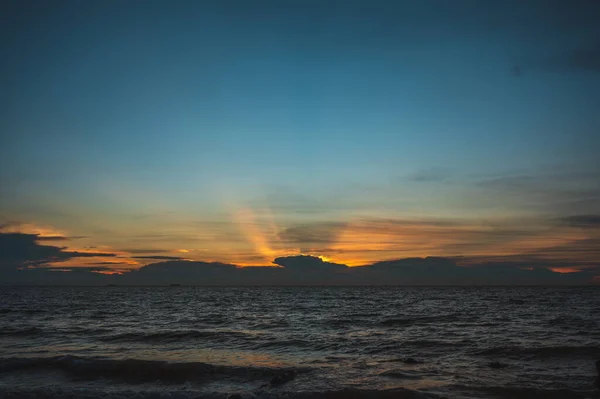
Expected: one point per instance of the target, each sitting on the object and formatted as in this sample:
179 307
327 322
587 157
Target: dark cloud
183 272
307 263
314 271
577 253
186 267
311 270
516 71
111 263
24 261
52 238
583 221
583 59
423 264
60 276
559 192
22 250
78 269
158 257
582 251
308 235
146 251
9 223
430 270
386 223
438 270
76 254
292 271
58 238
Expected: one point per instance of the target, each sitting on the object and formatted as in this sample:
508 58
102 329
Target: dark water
183 342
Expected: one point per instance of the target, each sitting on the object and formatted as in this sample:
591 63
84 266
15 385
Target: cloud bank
24 261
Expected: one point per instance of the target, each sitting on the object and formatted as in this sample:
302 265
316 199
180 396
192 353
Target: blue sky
126 118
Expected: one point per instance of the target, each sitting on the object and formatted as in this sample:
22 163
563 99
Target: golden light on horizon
254 237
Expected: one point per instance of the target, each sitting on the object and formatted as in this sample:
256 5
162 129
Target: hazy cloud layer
434 175
582 59
55 238
583 221
145 251
308 236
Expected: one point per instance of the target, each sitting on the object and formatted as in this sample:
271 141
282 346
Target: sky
356 132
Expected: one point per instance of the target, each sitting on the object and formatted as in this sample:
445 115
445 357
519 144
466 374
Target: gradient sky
240 131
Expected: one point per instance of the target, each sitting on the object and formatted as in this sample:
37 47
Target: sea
299 342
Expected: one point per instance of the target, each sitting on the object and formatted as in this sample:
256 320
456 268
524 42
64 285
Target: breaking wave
135 370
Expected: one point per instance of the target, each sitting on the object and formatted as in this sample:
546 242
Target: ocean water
299 342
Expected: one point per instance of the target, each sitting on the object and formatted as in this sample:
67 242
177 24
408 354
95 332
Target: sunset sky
242 131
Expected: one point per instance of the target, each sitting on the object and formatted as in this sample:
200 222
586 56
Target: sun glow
262 233
322 257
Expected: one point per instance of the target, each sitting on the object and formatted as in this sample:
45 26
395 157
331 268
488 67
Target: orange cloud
30 228
363 241
565 270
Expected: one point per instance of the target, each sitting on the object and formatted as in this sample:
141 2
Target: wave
137 370
293 345
390 347
20 332
548 351
174 336
432 343
39 332
21 311
572 322
419 320
268 325
103 314
345 322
